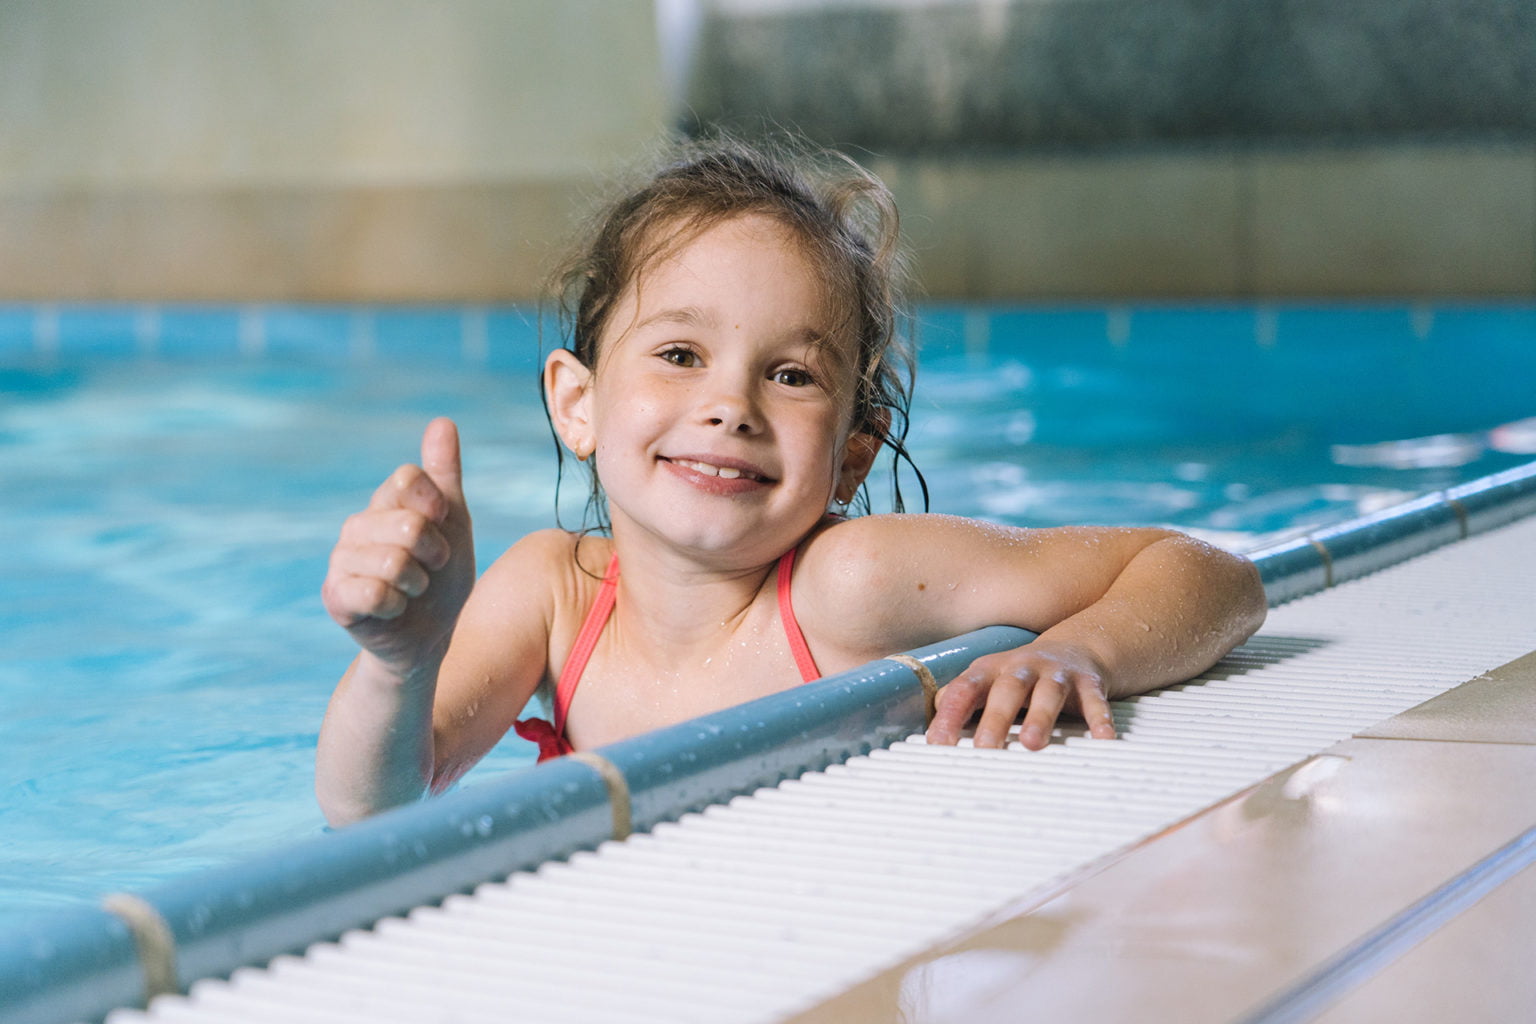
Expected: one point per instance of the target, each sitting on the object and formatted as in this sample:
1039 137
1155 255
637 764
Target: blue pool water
173 480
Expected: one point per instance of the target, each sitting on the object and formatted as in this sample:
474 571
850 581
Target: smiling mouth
724 472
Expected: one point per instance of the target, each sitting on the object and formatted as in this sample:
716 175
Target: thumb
440 458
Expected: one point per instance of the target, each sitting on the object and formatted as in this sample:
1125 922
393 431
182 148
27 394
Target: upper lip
742 466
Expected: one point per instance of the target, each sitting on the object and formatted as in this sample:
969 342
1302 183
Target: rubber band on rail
153 940
925 678
1461 515
618 789
1322 549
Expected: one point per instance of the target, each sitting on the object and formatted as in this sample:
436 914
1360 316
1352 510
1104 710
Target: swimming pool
175 478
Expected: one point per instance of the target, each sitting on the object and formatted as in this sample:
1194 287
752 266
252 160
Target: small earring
582 452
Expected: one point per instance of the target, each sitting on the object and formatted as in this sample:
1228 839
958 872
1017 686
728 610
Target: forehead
742 237
741 268
749 243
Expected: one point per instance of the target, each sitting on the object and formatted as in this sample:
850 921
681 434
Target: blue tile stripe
498 337
510 337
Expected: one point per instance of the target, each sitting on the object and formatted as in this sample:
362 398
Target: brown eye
792 377
679 356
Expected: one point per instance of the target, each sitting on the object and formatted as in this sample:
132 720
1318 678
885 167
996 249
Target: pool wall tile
1078 330
940 331
417 335
17 332
98 331
311 333
198 332
1227 326
1494 325
1322 328
514 340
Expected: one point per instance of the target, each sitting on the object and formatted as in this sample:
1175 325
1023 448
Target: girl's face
720 419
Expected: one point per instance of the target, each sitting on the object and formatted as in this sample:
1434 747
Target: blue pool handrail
1327 557
79 964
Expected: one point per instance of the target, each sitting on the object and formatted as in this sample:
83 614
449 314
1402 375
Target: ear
859 454
567 391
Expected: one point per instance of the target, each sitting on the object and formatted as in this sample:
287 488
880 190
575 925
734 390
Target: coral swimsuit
551 736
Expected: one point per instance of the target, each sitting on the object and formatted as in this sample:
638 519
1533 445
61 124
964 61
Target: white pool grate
758 908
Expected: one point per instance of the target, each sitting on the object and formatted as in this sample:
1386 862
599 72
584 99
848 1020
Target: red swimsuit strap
586 642
797 645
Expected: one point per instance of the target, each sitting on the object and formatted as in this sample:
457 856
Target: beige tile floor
1208 921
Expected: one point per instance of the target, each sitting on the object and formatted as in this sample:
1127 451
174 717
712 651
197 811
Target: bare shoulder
513 600
548 576
526 595
871 551
540 549
874 575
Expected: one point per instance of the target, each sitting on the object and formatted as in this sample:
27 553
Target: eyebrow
687 316
695 316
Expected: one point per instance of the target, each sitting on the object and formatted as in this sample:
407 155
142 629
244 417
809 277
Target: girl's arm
400 582
390 738
1175 607
1119 612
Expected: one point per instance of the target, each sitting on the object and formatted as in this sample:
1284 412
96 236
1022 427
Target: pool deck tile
1210 920
1475 968
1496 707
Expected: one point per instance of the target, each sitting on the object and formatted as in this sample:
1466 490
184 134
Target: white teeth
727 472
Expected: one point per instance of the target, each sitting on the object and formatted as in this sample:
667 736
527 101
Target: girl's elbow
345 801
338 810
1251 601
342 811
1235 581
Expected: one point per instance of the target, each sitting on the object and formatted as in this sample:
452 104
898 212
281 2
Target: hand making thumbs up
403 567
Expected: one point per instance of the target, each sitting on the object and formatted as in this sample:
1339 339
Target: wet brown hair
845 222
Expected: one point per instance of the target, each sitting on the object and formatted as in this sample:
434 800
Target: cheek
622 409
824 443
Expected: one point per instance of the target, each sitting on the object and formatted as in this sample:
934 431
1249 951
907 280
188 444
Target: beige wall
1391 219
122 93
308 148
440 150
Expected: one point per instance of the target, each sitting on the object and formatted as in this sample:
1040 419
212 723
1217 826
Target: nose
732 406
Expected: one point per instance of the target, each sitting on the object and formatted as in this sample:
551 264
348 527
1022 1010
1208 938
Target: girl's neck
678 600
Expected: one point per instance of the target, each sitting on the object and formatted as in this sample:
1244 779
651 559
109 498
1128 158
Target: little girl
734 371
